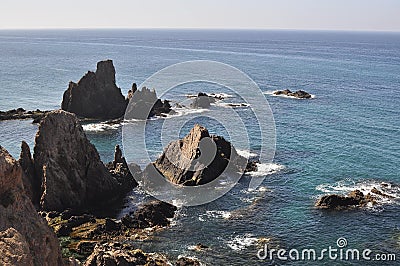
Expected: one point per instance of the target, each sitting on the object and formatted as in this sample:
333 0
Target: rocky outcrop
155 213
196 159
21 113
25 238
95 95
69 166
298 94
354 199
202 101
123 254
144 104
124 174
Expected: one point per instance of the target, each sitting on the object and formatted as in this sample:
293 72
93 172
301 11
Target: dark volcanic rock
31 182
69 166
21 113
155 213
196 159
25 238
298 94
144 104
183 261
95 95
202 101
354 199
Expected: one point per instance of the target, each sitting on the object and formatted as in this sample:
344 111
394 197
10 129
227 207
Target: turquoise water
346 137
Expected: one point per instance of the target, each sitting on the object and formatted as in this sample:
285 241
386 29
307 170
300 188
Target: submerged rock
298 94
69 166
196 159
144 104
95 95
25 238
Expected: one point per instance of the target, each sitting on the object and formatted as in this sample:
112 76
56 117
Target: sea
346 137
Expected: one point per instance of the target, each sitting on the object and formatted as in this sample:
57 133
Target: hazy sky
260 14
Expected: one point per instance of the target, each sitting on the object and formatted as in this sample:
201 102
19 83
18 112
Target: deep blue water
346 137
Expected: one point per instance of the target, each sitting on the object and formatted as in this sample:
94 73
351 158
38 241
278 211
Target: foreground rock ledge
25 238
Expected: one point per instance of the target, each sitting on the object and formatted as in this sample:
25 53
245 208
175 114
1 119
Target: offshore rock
144 104
298 94
95 95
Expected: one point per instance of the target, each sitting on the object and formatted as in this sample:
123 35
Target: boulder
25 238
95 95
183 261
354 199
155 213
69 166
196 159
21 113
144 104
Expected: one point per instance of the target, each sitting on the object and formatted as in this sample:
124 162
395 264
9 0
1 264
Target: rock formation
69 166
354 199
25 238
144 104
95 95
21 113
298 94
197 159
202 101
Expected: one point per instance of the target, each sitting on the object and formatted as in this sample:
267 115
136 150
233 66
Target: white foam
241 242
266 169
98 127
215 215
214 95
181 111
246 153
232 105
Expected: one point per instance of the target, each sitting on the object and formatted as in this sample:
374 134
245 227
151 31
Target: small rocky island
300 94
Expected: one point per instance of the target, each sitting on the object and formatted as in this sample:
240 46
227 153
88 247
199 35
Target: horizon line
199 28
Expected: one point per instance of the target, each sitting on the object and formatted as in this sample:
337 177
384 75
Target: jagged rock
154 213
144 104
298 94
119 169
252 166
69 166
354 199
122 254
95 95
21 113
196 159
31 182
30 240
202 101
183 261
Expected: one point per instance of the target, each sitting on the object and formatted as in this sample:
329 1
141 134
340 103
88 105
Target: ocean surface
347 137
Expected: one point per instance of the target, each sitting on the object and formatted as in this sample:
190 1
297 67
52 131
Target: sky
365 15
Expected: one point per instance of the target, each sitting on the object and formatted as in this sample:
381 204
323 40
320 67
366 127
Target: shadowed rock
25 238
354 199
95 95
298 94
144 104
69 166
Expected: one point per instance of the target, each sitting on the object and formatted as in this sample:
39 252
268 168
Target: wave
99 127
181 111
390 192
266 169
241 242
246 153
214 215
271 93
